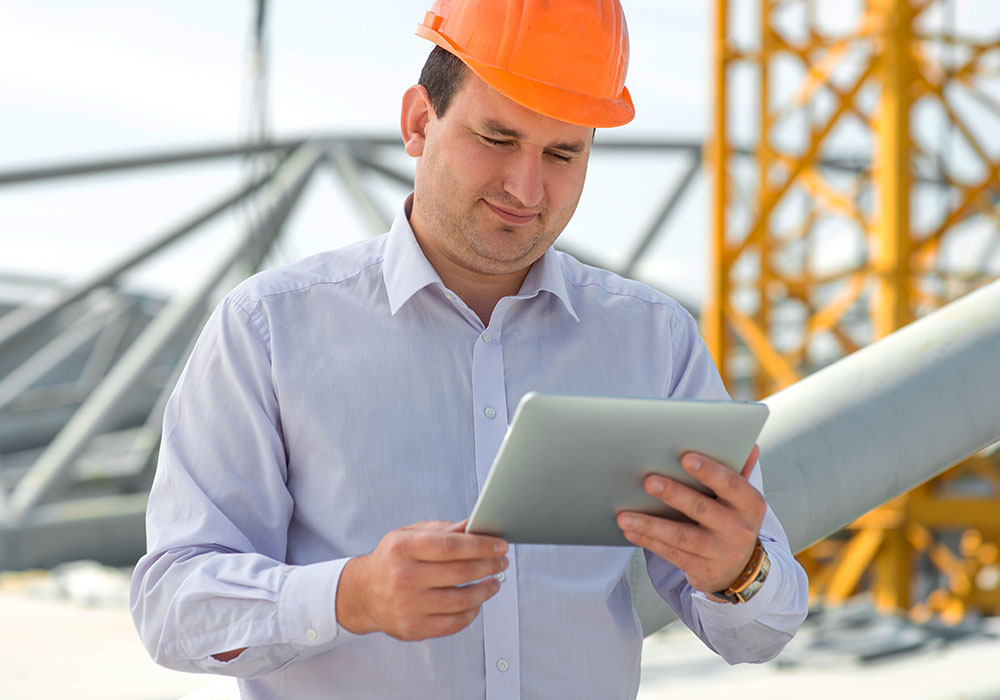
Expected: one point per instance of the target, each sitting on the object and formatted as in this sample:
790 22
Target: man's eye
561 158
494 142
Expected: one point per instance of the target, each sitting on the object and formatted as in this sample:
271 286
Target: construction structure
845 208
863 195
86 367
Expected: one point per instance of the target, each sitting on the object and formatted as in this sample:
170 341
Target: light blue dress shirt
351 393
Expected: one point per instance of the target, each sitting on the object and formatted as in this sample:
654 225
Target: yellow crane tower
854 161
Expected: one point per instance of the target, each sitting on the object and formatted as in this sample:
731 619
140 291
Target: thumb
459 526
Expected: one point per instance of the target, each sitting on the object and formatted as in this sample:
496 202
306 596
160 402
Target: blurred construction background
806 176
867 199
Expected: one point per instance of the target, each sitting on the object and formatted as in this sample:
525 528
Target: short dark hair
442 76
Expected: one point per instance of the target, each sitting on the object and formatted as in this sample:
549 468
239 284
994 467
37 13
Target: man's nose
524 178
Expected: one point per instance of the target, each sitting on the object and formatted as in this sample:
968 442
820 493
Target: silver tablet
569 464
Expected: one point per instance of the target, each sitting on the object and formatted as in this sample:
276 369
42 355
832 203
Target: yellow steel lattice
855 164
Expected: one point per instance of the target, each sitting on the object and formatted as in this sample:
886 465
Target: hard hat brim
552 101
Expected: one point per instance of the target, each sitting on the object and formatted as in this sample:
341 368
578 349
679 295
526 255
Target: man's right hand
410 586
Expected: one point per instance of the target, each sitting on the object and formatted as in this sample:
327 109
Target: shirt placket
500 615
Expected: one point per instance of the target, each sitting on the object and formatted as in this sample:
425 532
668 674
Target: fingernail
504 562
500 547
656 485
629 522
692 463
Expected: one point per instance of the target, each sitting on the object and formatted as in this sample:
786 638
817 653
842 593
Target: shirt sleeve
755 631
214 578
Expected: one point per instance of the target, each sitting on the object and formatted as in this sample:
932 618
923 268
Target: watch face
751 590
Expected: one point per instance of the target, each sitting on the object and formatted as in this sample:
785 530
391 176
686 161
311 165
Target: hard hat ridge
566 59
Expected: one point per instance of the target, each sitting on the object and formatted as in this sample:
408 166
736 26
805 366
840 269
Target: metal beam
188 155
24 175
55 351
343 162
873 425
403 178
53 467
713 320
669 204
885 419
145 160
891 253
108 529
22 320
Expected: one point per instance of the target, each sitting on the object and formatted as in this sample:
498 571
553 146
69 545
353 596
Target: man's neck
479 291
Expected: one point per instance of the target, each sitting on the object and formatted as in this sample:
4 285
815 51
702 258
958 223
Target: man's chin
495 263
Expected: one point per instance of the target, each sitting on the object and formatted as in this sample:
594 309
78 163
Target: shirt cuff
307 605
728 615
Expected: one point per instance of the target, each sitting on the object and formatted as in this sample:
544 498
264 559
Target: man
338 417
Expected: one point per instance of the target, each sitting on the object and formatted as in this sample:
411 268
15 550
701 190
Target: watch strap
750 579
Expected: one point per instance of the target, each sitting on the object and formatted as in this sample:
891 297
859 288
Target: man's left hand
714 548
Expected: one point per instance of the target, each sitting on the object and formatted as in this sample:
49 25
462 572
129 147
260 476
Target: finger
429 626
683 537
456 600
700 508
751 462
703 573
685 561
456 573
454 546
445 625
737 495
723 481
429 525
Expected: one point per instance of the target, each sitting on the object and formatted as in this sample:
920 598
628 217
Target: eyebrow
495 127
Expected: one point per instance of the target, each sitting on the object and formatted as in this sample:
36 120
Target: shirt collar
406 270
404 267
546 275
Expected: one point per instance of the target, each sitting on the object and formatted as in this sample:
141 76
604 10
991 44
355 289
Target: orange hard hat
565 59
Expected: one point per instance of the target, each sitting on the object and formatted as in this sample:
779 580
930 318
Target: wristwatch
750 579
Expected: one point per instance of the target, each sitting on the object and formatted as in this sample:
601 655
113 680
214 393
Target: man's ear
413 121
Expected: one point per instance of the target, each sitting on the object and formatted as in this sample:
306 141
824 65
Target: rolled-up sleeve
214 578
755 631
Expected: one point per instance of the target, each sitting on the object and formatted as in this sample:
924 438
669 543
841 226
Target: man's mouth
512 217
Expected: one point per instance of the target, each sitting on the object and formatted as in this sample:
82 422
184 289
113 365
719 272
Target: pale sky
108 77
112 77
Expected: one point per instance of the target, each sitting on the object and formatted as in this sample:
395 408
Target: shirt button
490 412
502 576
312 633
502 665
486 337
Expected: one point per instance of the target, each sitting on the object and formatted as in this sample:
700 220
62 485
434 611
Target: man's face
496 183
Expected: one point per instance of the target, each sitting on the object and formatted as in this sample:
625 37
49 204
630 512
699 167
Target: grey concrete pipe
874 425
